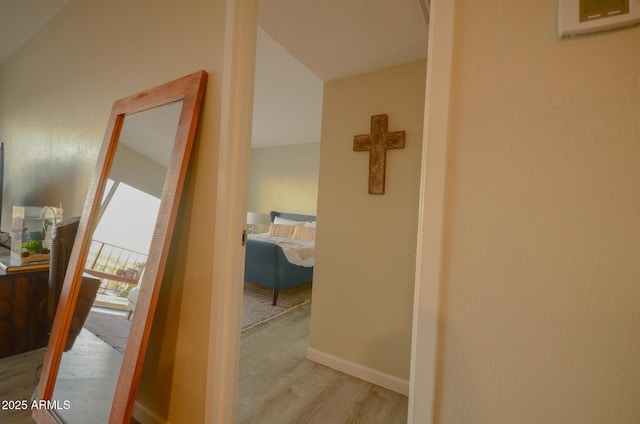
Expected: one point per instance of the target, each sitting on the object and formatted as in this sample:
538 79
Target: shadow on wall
42 187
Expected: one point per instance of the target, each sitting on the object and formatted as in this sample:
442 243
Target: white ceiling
153 131
287 107
301 44
20 19
341 38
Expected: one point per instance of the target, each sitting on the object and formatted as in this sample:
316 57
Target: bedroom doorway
226 300
408 320
221 380
283 178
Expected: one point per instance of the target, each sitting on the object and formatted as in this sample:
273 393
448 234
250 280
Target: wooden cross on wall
377 143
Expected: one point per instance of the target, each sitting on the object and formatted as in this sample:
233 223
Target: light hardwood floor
86 379
278 385
18 379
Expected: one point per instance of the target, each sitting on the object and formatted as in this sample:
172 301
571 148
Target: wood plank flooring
278 385
87 379
19 376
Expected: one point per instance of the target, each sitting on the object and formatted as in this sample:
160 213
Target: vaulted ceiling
340 38
301 45
20 19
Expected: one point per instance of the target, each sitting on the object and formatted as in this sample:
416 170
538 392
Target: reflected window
121 241
125 219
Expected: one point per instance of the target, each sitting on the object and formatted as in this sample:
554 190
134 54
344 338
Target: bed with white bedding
283 257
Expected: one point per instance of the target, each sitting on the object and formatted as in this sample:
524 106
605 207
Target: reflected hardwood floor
94 364
278 385
18 379
91 361
87 379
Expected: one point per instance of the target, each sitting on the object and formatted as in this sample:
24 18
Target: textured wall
284 178
540 316
57 92
365 247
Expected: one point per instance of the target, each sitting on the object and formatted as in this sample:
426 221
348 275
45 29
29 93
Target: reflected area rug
113 327
257 308
109 325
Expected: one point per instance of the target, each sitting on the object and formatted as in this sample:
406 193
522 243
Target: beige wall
57 92
365 259
284 178
539 306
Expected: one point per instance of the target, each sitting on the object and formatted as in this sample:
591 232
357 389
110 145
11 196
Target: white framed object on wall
583 17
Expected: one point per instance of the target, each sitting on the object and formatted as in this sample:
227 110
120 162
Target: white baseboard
145 416
379 378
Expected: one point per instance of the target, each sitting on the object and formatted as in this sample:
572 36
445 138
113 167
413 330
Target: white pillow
311 224
285 221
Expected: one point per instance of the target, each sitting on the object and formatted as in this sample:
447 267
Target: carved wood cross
377 143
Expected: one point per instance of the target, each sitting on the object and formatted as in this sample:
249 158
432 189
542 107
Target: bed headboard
292 216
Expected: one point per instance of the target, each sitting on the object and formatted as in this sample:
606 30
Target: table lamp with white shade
255 221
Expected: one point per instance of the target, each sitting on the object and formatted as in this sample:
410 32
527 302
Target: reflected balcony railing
118 268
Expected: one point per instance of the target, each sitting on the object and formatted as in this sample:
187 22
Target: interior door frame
238 75
228 261
429 254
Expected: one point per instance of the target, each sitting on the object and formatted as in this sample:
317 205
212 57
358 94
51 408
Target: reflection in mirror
89 375
119 249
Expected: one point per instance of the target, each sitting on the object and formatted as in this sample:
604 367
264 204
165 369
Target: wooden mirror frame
190 89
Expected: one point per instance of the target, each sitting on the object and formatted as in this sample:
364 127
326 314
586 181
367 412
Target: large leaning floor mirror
130 211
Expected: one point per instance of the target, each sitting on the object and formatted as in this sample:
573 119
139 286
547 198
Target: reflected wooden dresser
23 311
